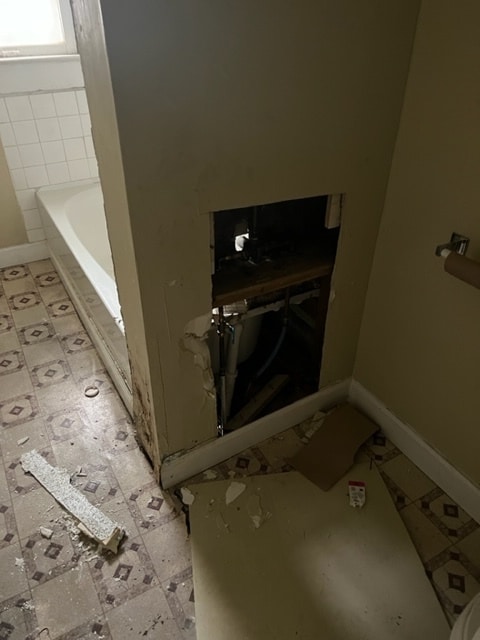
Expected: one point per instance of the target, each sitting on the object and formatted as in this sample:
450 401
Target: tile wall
48 141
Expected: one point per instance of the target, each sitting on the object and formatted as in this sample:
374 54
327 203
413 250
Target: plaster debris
254 509
27 606
20 563
187 496
45 532
234 490
23 440
209 474
91 391
315 422
221 524
189 622
92 521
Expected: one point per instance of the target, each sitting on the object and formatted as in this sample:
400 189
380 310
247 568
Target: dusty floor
61 588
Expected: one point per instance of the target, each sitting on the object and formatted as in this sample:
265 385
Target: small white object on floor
80 473
210 474
20 563
91 391
234 490
45 532
187 496
356 493
23 440
315 422
255 511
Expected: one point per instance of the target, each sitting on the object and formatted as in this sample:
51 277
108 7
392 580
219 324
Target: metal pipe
232 361
222 381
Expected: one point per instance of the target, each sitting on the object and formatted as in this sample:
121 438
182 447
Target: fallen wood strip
91 520
258 402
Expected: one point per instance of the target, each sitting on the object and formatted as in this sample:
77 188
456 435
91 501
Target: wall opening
271 271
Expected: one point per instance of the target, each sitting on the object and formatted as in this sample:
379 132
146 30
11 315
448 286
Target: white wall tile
82 101
43 105
65 103
35 235
53 151
19 108
86 125
89 148
31 155
74 149
26 199
32 219
13 158
93 166
79 169
36 176
18 179
58 173
25 132
47 140
70 127
49 129
3 111
7 135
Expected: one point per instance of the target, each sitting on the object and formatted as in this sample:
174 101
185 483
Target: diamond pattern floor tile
46 361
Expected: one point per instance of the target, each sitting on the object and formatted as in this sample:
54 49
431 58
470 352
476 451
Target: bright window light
35 27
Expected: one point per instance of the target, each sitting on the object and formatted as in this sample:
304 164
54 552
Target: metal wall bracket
457 244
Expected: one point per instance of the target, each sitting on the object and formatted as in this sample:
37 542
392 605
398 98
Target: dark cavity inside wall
272 245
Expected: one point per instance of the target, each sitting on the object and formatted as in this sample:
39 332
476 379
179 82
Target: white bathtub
75 226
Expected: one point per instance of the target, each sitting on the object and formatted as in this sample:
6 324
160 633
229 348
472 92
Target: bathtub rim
52 199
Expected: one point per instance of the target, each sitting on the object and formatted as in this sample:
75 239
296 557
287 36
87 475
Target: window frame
67 47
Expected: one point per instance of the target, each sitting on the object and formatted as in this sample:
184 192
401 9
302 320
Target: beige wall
224 104
419 350
12 228
91 45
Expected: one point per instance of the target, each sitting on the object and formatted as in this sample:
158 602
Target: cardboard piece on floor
331 451
285 560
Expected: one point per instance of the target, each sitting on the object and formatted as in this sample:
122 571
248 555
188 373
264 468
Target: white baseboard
178 468
431 462
22 253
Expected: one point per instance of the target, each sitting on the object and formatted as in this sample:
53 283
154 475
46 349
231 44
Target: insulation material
91 520
331 451
286 560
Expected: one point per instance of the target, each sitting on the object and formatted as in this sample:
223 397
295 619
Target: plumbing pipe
232 360
222 380
280 340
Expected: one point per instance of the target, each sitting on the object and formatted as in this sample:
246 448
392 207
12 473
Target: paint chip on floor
187 496
234 490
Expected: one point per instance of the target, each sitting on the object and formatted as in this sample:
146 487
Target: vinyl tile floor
63 588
